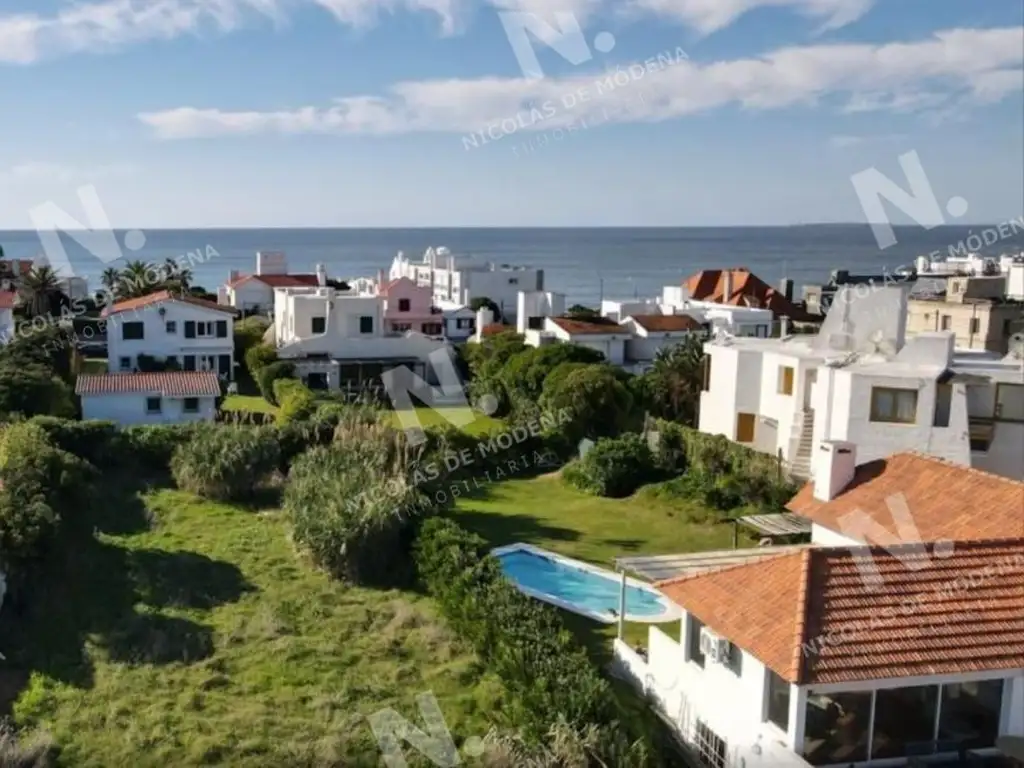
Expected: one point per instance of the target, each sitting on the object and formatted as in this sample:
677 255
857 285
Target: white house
599 334
861 381
7 328
255 293
171 397
338 339
651 334
460 279
861 648
675 300
459 320
197 335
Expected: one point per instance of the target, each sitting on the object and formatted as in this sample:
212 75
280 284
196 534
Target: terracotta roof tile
945 500
166 384
667 323
8 299
597 326
494 329
747 290
159 296
279 281
812 618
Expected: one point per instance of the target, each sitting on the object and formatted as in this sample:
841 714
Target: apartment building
975 309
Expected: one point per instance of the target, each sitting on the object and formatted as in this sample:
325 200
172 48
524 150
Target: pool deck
671 612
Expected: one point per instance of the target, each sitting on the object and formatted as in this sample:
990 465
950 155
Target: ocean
585 264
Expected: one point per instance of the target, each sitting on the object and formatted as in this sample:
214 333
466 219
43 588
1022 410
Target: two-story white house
860 380
254 293
197 335
170 397
338 339
864 648
736 320
652 334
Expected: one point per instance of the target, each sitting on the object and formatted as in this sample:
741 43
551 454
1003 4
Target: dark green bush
152 446
226 463
521 640
354 507
298 437
267 375
613 467
259 357
100 443
295 401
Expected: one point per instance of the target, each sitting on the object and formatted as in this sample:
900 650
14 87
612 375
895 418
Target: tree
40 289
137 279
176 277
674 384
483 301
110 279
591 402
580 312
32 389
487 362
527 371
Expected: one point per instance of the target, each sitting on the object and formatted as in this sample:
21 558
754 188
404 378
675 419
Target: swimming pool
580 587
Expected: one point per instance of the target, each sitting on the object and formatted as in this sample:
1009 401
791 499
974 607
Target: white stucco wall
250 294
157 342
718 404
826 537
130 409
1005 455
785 409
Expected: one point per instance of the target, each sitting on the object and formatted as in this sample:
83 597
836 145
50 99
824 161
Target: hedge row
520 639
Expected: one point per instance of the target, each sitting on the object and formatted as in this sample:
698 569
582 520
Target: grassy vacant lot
191 633
545 511
473 422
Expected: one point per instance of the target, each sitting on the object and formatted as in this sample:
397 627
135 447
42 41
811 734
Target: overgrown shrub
152 446
100 443
259 357
298 437
520 639
613 467
226 463
354 507
295 401
271 373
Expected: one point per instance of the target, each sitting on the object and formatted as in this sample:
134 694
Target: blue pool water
575 586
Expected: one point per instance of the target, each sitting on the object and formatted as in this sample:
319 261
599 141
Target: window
745 427
785 380
837 728
1009 402
152 405
735 661
707 373
171 326
778 701
943 399
947 322
466 324
224 366
694 626
401 327
133 331
904 717
319 325
432 329
191 405
535 323
317 381
970 712
896 406
513 281
222 329
975 325
190 329
125 363
981 433
711 748
403 305
189 362
366 324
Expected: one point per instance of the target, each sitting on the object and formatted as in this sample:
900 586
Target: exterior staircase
800 465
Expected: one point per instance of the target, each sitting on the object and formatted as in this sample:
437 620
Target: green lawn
192 633
253 403
548 513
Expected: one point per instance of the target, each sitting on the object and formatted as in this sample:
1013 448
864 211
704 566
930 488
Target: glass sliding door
837 728
904 717
970 713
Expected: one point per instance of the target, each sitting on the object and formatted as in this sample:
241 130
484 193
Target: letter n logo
566 39
402 382
391 730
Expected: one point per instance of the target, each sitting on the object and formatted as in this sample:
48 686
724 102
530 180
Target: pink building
409 307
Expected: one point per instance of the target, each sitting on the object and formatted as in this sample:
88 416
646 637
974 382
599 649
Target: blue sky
362 112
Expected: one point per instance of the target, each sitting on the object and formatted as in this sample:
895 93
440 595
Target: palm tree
137 279
176 277
40 289
676 381
110 279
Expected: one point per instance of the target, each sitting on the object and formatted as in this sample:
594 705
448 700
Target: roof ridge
946 462
714 570
796 669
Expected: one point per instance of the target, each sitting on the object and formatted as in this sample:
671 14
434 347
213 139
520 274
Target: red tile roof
495 328
596 326
279 281
166 384
945 500
747 290
7 299
667 323
811 618
159 296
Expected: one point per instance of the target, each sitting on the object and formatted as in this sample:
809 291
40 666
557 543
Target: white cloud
56 173
711 15
955 67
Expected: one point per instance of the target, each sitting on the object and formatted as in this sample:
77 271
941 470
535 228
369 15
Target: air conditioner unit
715 649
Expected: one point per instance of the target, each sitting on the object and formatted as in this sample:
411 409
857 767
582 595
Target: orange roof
166 384
945 500
494 329
596 326
7 299
810 617
279 281
747 290
667 323
159 296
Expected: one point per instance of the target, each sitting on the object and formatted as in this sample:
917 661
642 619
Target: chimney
321 275
783 326
484 317
233 275
727 287
786 288
833 469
